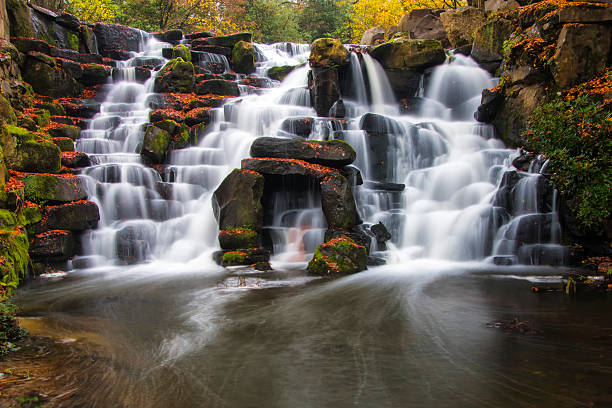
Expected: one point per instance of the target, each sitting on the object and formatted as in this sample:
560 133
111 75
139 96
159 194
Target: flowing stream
419 331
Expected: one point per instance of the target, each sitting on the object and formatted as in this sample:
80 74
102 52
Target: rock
407 54
375 123
229 40
355 233
324 85
124 55
218 87
288 167
328 52
279 73
69 21
76 216
72 68
334 153
490 104
300 126
94 74
79 108
169 36
582 53
243 58
246 256
155 144
238 238
165 114
181 51
381 132
585 13
89 43
511 120
385 186
405 83
75 160
24 151
373 36
49 80
197 116
199 46
56 245
494 6
65 144
116 36
20 19
338 257
381 233
489 39
338 203
237 201
50 188
26 45
177 76
200 34
423 24
70 131
461 23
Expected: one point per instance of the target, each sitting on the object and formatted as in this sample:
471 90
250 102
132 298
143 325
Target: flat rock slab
334 153
52 188
288 167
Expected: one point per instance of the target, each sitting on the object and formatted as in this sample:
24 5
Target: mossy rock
238 238
281 72
66 131
42 117
7 115
7 219
42 188
328 52
237 201
408 54
340 256
14 258
177 76
489 39
50 81
229 40
65 144
243 57
155 144
234 258
181 51
20 18
25 151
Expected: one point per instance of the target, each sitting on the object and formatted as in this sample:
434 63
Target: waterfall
433 178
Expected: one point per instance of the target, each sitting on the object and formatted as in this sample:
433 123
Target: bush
574 133
9 329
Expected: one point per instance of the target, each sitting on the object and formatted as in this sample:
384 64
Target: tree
324 18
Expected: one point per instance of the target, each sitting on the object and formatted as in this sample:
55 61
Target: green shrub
9 329
574 133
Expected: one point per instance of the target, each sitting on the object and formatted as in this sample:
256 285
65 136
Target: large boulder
327 57
237 201
489 39
238 238
334 153
48 79
373 36
177 76
14 258
585 13
300 126
243 58
181 51
279 73
340 256
26 152
424 24
582 53
75 216
155 144
461 23
408 54
328 52
218 87
94 74
338 203
511 121
55 245
116 37
50 188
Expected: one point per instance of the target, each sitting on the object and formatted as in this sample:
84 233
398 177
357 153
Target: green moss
43 117
279 73
14 258
328 52
338 256
7 219
73 41
64 144
19 133
243 57
40 187
575 136
30 215
181 51
234 258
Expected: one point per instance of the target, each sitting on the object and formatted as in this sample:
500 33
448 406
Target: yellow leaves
94 10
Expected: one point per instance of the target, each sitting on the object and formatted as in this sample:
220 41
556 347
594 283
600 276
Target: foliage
574 133
366 14
324 18
272 21
9 330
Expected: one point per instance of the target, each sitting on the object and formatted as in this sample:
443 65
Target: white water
450 165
